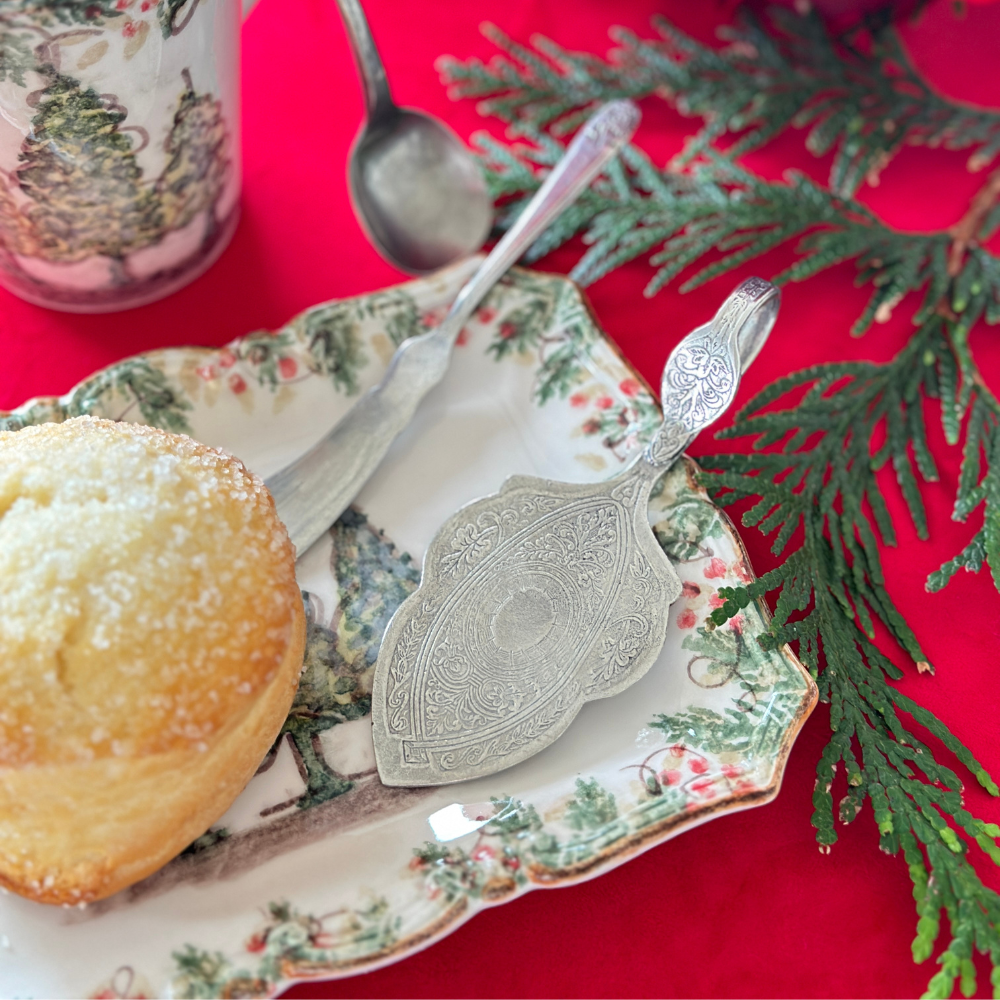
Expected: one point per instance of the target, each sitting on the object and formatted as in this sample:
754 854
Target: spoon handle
703 371
378 100
592 147
316 488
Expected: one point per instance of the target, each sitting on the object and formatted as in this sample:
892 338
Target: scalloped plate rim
620 851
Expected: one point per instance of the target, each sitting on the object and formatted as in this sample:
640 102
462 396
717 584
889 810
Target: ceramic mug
119 147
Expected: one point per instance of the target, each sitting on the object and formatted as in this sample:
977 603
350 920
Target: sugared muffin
151 637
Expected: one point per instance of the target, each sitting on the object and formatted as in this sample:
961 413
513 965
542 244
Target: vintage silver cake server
546 594
316 488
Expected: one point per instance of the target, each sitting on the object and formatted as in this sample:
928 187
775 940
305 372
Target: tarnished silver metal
416 188
313 491
546 595
704 369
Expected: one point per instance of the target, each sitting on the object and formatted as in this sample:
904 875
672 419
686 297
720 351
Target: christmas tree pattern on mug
84 193
83 218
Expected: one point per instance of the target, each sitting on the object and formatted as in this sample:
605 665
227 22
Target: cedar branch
965 232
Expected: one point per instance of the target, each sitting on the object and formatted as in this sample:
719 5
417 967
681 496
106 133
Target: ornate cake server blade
314 490
545 595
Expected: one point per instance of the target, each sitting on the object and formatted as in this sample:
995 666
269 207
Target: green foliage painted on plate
766 700
333 340
591 807
687 529
138 385
373 580
158 400
290 943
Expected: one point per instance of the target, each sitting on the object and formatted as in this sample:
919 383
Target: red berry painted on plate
715 569
687 619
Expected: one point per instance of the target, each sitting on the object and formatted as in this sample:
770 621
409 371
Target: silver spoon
417 190
317 487
546 595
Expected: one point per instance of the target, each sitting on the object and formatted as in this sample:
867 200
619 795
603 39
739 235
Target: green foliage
753 725
554 324
381 578
138 383
87 192
288 939
857 94
333 334
334 343
698 524
521 328
515 838
396 312
41 411
719 208
199 974
82 177
513 818
327 695
263 351
592 806
197 148
814 480
823 481
982 440
336 680
208 840
167 13
15 53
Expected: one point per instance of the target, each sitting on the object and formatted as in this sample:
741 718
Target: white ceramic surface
318 869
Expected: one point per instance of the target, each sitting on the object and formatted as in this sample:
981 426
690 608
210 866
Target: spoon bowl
417 190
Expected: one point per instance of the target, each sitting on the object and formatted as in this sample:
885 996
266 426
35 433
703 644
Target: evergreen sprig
818 486
822 436
718 208
856 93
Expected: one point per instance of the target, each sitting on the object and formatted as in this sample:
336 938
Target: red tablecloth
746 905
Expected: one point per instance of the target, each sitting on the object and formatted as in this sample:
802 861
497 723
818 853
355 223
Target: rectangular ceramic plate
318 870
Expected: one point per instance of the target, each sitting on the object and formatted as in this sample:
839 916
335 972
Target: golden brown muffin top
144 591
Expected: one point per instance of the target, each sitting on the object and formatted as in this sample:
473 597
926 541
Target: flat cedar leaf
991 539
970 558
978 436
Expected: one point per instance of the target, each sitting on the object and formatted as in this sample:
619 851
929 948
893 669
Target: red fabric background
746 905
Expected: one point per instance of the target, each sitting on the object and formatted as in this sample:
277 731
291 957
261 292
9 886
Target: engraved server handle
314 490
703 371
